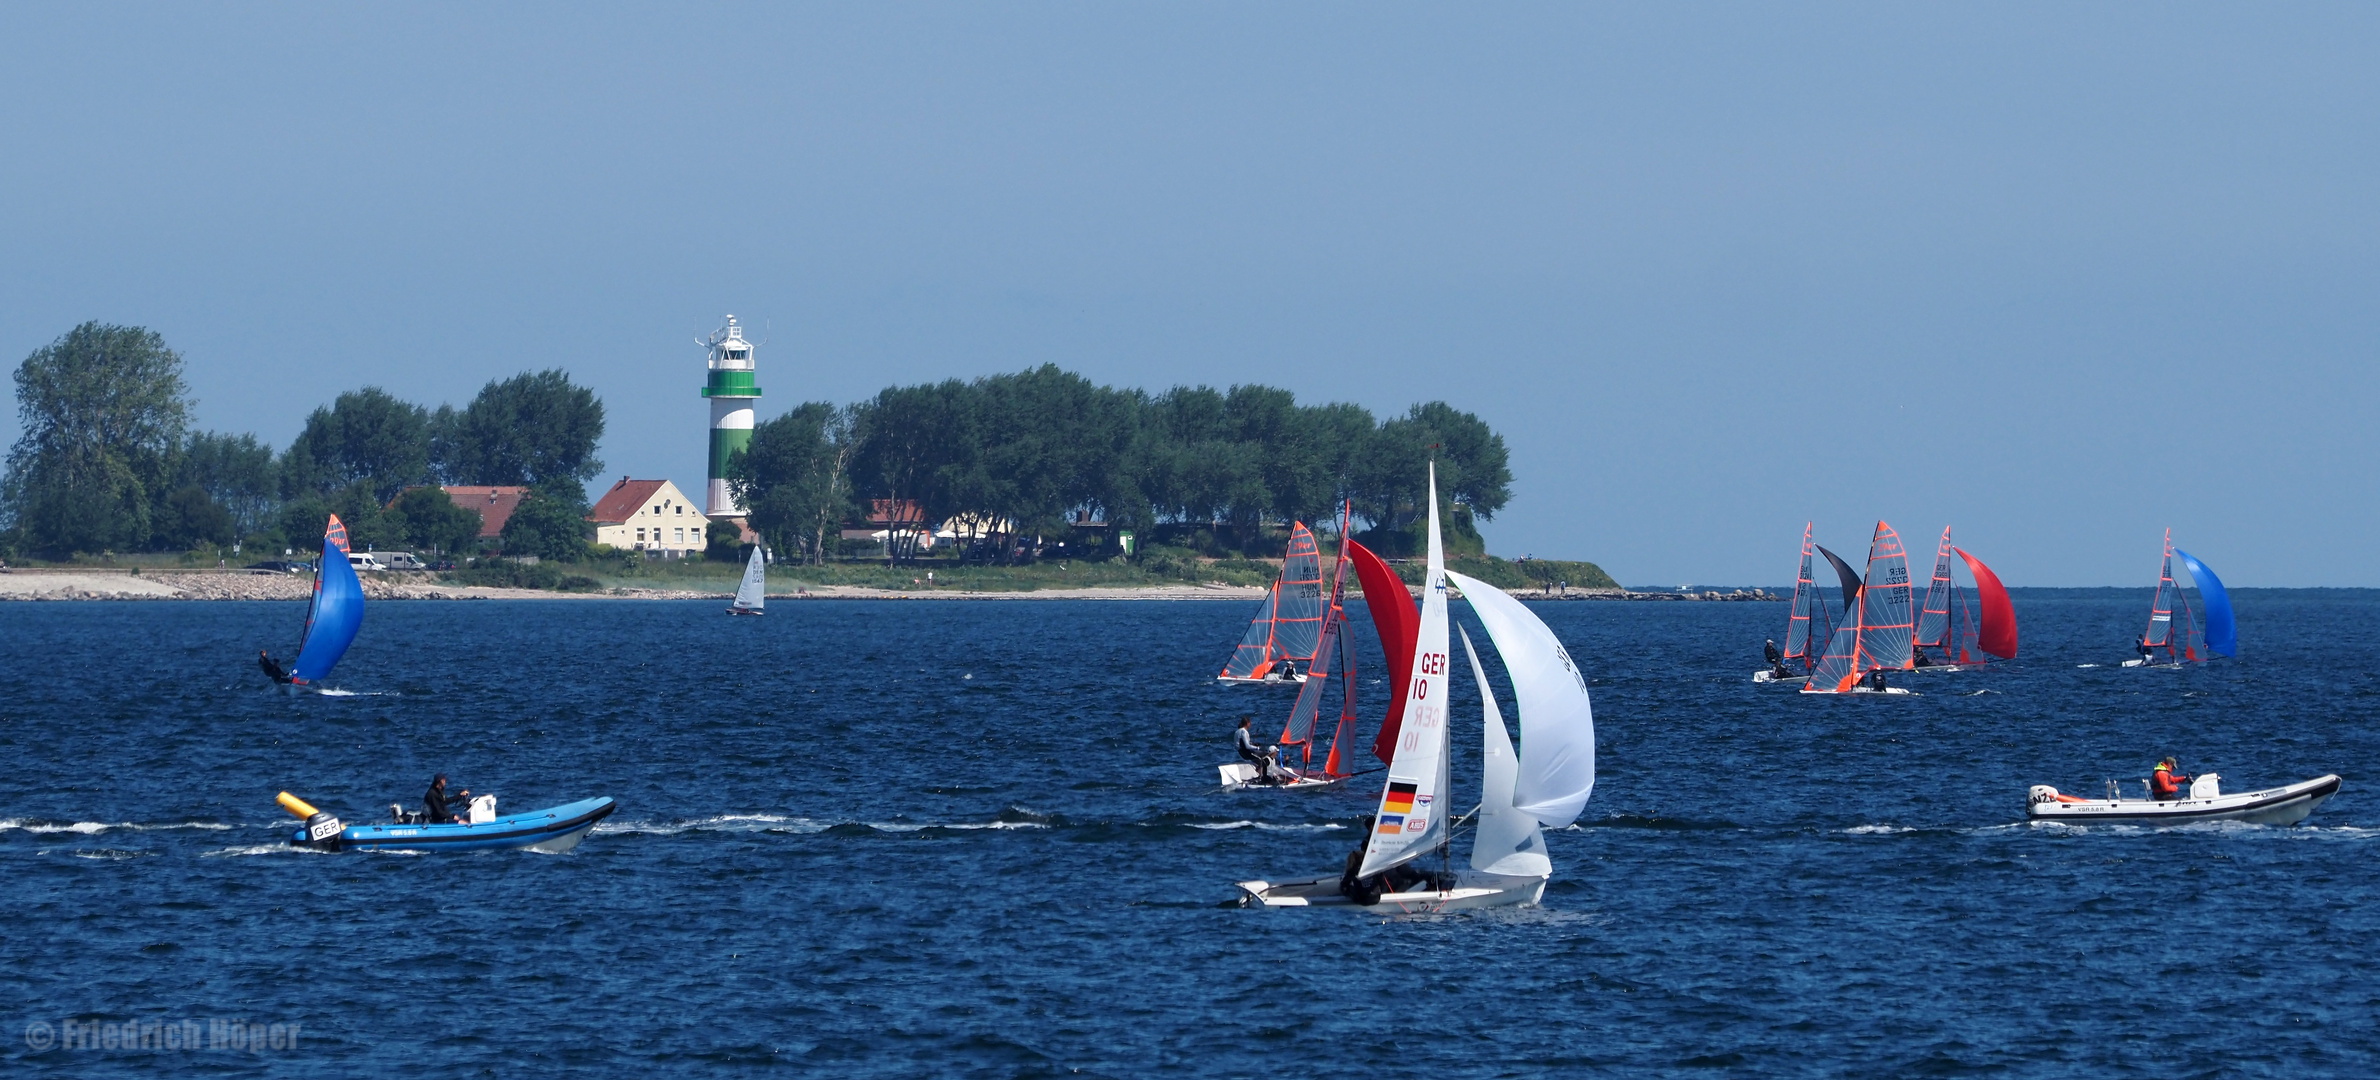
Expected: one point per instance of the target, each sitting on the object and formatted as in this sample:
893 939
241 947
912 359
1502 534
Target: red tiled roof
623 501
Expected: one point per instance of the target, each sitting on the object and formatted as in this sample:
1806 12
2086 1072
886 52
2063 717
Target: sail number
1429 664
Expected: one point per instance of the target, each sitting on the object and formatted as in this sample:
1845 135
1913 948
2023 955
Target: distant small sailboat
1519 797
1287 629
1952 625
1876 630
333 616
2174 629
1810 625
1334 659
752 593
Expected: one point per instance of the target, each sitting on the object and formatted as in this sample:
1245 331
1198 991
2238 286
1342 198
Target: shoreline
56 585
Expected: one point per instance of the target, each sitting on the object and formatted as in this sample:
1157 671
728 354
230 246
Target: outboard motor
321 830
2042 793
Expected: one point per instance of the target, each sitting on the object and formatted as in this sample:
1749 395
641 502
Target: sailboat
1287 629
1875 634
1956 627
334 614
1519 797
751 594
2174 628
1810 625
1334 658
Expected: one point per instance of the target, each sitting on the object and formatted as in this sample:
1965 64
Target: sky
2058 276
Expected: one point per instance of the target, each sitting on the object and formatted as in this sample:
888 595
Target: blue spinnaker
337 612
2222 635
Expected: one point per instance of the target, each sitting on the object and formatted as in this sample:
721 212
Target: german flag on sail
1399 800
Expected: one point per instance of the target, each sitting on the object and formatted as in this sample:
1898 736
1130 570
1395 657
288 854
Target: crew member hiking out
265 660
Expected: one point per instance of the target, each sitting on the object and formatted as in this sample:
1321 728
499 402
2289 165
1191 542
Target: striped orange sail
1876 633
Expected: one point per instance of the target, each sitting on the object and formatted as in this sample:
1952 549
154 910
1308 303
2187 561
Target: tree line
108 460
1025 454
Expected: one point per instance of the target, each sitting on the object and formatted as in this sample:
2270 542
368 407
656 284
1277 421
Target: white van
400 560
365 560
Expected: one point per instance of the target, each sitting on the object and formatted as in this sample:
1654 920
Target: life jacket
2162 782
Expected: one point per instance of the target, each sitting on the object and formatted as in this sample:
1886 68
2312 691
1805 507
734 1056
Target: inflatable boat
554 829
2205 802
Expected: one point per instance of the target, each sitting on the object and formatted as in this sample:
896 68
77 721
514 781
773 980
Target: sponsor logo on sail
1391 825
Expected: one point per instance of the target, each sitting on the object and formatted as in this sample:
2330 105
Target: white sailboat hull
1764 675
1240 775
1269 680
1472 889
2272 806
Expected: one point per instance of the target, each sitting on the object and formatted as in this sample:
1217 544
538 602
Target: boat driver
434 803
2165 785
1252 753
265 660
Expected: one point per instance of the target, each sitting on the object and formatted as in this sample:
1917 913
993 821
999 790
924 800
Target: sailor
2165 785
1876 680
2145 652
1917 656
265 660
1354 886
434 803
1253 754
1776 661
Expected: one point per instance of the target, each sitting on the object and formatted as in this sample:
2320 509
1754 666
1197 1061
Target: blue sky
2058 276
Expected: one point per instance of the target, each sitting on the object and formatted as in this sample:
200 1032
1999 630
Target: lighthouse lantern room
731 392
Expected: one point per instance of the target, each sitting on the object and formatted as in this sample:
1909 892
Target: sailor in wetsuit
1876 680
1352 885
1776 661
1252 753
434 803
2146 651
264 660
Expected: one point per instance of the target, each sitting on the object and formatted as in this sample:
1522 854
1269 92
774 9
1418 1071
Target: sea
986 838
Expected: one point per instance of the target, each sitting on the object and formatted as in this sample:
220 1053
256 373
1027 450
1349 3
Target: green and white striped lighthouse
731 392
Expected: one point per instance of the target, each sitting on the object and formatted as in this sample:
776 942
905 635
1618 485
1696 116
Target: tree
536 429
190 517
793 480
367 436
550 525
916 445
103 409
237 472
427 518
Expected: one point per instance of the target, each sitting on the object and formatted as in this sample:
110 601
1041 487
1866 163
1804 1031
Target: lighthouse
731 392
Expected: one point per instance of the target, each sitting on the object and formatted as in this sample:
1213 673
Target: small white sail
753 592
1412 816
1508 841
1557 765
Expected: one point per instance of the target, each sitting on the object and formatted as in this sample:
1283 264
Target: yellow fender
296 806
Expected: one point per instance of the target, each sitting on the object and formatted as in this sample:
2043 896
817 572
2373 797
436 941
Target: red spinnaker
1995 632
1399 623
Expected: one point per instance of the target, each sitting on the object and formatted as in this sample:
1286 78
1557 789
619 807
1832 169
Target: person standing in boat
1252 753
434 803
264 659
2165 785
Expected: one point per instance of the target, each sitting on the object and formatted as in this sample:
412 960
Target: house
494 503
651 516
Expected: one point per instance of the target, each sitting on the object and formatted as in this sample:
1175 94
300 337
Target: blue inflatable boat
557 828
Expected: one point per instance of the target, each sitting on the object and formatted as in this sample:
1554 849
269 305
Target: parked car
365 560
283 566
400 560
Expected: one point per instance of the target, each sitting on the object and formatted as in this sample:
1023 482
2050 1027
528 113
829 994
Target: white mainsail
1413 811
750 595
1557 767
1508 841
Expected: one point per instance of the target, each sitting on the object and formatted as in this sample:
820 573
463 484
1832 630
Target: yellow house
649 515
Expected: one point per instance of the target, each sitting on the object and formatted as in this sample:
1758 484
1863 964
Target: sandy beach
21 584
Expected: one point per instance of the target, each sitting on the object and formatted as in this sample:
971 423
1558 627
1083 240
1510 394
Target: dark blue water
891 839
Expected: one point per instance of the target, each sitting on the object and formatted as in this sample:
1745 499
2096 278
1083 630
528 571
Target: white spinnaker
752 592
1413 810
1508 841
1557 764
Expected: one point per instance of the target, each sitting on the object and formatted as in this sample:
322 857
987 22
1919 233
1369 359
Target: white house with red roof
650 516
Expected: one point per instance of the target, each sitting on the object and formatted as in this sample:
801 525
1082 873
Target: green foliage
506 574
237 472
103 410
426 518
549 524
723 542
366 437
190 517
792 481
534 429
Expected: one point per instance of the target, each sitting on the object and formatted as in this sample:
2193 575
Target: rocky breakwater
269 586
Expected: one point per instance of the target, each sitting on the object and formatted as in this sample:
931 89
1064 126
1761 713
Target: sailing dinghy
1876 630
2174 630
1810 626
2206 802
751 594
1287 629
333 615
1520 797
1334 662
1950 623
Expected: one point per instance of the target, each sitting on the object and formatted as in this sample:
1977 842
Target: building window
681 536
640 535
